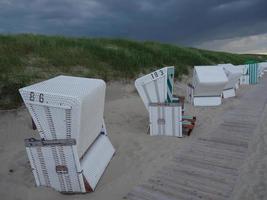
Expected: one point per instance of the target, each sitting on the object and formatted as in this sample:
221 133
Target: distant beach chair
262 68
165 109
253 72
207 86
233 74
244 78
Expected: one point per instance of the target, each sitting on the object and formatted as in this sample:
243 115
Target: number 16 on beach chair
165 109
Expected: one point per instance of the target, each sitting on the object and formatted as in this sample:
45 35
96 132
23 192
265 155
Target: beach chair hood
233 74
209 81
243 69
67 107
156 86
262 67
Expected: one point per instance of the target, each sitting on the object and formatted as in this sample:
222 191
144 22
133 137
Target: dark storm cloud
187 22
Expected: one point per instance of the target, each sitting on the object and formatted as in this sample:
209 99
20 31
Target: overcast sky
226 25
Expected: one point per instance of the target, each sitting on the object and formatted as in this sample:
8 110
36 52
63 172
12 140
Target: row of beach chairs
72 149
212 83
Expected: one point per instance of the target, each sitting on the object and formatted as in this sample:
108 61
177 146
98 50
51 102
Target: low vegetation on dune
27 58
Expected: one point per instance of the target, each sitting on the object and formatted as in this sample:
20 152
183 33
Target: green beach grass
28 58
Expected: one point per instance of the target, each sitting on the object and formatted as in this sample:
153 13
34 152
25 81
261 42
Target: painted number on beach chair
157 74
32 96
41 97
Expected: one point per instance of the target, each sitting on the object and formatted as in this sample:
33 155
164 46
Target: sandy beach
138 155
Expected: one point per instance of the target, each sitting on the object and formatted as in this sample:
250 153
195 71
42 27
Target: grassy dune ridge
28 58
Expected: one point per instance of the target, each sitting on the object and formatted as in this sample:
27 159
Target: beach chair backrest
156 87
233 74
208 81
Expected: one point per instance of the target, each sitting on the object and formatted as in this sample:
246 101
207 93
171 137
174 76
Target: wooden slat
152 193
221 146
208 157
175 189
225 141
205 175
191 179
215 155
236 155
231 136
208 169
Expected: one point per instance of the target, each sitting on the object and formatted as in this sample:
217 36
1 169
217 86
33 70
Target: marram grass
28 58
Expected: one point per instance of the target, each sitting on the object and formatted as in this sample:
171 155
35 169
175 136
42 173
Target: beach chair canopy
67 107
208 81
233 74
156 87
262 67
243 68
